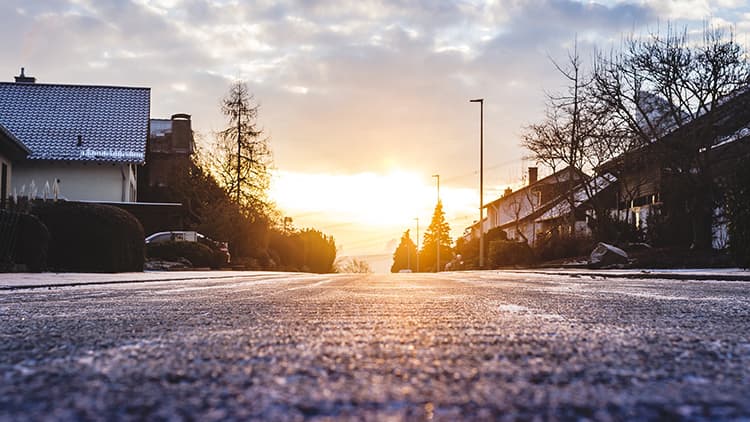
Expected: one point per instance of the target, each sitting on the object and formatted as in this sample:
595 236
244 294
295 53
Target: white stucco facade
78 181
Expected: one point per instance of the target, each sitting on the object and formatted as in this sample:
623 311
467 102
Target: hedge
508 252
91 237
32 244
23 240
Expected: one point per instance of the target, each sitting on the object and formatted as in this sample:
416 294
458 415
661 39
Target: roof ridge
76 85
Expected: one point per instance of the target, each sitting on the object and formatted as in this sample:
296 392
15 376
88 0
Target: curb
105 282
650 275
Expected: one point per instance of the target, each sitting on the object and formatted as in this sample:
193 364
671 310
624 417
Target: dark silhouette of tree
575 134
319 251
405 256
287 250
438 230
241 157
469 250
212 212
308 250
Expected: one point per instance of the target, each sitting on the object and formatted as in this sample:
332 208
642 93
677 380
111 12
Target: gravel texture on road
449 346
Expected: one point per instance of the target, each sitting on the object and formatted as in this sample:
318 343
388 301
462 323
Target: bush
610 230
508 252
23 240
91 237
469 251
198 254
555 246
32 243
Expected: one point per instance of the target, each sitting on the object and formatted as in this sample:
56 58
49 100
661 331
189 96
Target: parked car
173 236
189 236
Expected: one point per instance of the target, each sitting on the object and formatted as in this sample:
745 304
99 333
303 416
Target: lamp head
478 100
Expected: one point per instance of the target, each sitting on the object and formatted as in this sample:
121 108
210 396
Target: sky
364 101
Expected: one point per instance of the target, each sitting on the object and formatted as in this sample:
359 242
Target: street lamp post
481 179
417 243
437 232
408 257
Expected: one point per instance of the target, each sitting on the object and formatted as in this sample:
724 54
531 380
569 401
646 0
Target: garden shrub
555 246
613 231
198 254
508 252
91 237
32 243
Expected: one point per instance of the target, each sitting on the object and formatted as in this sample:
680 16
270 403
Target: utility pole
437 232
408 256
481 179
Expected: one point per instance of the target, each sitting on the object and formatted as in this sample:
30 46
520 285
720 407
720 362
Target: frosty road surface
482 345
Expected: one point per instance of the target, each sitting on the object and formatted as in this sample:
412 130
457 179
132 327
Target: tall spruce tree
405 256
241 157
439 232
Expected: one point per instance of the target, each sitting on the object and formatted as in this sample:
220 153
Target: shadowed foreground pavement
407 346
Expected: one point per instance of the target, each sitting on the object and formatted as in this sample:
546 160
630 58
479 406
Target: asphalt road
494 346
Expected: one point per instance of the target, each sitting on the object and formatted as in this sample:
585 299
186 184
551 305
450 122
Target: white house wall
78 181
515 207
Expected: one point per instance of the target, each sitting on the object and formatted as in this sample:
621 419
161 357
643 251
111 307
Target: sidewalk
719 274
11 281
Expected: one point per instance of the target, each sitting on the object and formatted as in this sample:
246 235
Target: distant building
661 177
88 139
543 206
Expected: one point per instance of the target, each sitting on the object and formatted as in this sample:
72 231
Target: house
11 150
684 164
87 140
544 206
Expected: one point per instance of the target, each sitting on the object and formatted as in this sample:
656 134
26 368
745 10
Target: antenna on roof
23 79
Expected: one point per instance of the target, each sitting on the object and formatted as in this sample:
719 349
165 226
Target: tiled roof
112 122
11 146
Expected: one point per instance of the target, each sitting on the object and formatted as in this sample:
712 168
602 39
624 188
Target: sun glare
366 198
343 205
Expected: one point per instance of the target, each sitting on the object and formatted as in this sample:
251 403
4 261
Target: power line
474 173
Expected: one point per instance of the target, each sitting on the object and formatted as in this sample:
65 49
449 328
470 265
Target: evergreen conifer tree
438 232
405 256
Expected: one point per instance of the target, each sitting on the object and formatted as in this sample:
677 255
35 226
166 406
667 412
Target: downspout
123 184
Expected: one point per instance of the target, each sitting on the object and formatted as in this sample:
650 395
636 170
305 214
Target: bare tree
570 135
353 266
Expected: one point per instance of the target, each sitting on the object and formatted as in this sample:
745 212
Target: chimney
182 133
533 175
23 79
507 192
